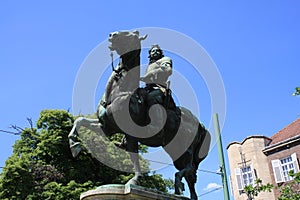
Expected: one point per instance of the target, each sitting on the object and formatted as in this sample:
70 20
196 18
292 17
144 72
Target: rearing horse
126 108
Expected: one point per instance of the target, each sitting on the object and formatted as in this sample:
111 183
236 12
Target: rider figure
159 68
156 78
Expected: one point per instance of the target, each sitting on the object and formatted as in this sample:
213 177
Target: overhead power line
218 188
201 170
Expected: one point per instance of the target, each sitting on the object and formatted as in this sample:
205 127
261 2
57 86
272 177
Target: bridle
111 53
118 74
112 61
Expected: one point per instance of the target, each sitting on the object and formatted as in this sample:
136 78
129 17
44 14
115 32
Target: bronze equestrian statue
147 115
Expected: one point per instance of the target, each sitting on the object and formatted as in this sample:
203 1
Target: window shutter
295 162
230 185
238 175
253 173
277 171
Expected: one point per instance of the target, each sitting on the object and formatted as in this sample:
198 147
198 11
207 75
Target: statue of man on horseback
157 84
147 115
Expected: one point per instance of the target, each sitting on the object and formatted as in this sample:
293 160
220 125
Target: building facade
269 159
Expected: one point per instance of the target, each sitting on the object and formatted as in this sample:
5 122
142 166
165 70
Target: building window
282 167
245 176
287 165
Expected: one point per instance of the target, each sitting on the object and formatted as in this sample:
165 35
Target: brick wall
280 153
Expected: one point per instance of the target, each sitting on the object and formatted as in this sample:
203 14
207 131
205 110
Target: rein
112 61
117 71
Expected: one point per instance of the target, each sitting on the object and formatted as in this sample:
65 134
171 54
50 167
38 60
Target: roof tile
289 131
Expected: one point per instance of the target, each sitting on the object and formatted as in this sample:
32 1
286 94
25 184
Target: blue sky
254 44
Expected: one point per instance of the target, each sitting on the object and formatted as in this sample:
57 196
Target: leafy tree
291 191
297 91
42 166
253 190
288 191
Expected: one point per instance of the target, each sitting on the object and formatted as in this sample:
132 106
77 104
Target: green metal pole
221 157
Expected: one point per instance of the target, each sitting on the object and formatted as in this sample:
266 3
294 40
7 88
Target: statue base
127 192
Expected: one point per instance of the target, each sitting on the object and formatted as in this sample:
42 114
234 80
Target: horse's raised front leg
132 148
92 124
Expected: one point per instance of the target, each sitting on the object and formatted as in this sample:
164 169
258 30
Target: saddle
159 94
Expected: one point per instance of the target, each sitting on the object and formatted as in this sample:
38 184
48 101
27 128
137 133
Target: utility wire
201 170
218 188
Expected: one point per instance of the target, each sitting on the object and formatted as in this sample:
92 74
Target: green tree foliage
42 166
253 190
297 91
290 191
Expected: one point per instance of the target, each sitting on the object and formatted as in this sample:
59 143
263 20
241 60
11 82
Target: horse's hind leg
189 173
191 179
179 186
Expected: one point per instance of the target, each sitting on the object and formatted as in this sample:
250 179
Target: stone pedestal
128 192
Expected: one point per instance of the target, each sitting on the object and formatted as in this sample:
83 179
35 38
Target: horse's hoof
75 149
133 182
194 197
120 145
179 188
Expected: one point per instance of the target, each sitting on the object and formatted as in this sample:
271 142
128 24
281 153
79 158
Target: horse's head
125 41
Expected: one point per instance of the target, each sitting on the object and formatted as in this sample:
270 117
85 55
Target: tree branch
17 128
10 132
30 122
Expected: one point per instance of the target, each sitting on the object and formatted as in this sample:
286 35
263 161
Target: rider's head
155 53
